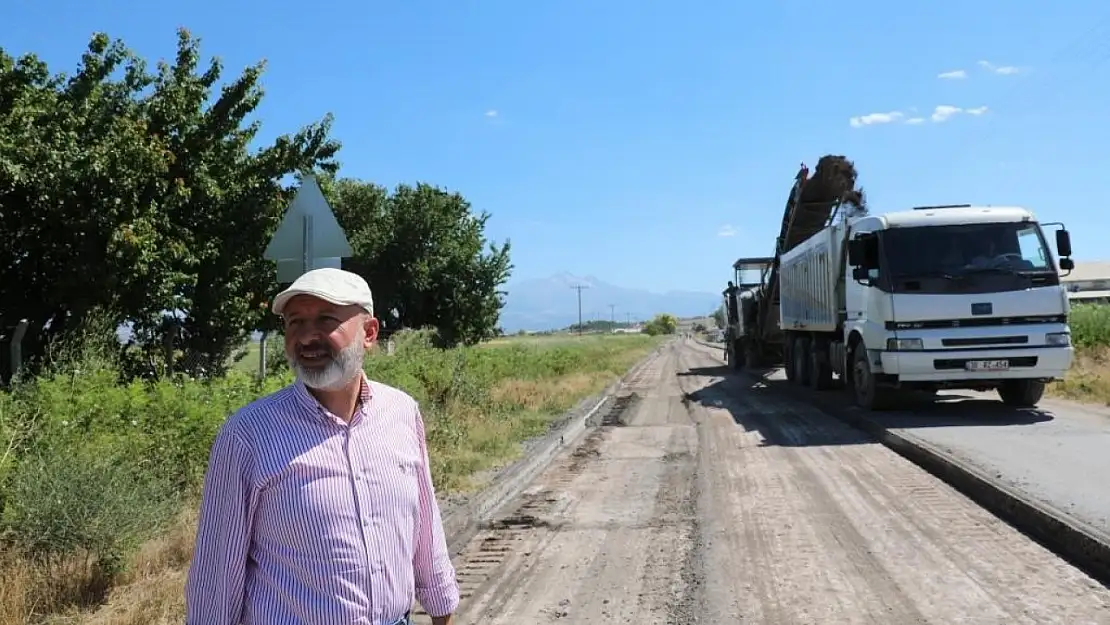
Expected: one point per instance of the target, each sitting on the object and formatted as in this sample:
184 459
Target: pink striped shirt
306 519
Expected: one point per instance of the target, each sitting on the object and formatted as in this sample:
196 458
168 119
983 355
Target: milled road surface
704 499
1054 454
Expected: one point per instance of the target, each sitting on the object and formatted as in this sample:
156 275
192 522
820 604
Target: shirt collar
309 403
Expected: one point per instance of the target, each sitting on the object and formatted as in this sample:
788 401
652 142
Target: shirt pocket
398 480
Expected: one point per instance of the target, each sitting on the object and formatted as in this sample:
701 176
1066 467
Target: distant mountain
550 303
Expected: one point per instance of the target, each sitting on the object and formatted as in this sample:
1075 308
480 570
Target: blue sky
619 138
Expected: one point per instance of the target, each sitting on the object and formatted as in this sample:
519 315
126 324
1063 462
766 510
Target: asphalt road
710 499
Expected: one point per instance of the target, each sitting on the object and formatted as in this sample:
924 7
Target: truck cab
953 297
748 339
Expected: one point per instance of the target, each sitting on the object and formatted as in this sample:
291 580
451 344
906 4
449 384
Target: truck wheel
869 395
1021 393
737 360
752 357
788 358
802 372
820 371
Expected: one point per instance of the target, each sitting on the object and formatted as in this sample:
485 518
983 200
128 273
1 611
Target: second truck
954 296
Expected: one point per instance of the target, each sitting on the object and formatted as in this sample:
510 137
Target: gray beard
341 370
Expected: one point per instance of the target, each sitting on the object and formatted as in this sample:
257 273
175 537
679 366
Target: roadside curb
1085 547
463 522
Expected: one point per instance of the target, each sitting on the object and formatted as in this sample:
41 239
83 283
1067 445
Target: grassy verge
1089 379
99 481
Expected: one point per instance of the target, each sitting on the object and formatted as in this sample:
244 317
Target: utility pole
579 287
612 317
629 319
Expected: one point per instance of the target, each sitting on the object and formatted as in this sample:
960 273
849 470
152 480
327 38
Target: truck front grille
985 340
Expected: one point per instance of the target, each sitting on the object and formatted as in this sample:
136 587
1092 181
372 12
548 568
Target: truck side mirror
861 274
1063 243
1067 264
855 252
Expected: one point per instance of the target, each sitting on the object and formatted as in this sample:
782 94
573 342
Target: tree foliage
426 257
663 323
720 317
145 195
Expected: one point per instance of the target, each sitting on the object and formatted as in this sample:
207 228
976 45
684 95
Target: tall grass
98 479
1090 326
1089 378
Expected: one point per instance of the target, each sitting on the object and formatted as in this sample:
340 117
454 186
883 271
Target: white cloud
875 118
953 75
492 113
942 112
1005 70
726 231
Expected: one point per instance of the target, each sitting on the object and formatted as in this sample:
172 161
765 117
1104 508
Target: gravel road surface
703 498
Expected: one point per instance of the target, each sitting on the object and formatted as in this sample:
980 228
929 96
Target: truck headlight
904 345
1058 339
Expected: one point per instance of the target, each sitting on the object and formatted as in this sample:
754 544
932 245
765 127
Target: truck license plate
988 365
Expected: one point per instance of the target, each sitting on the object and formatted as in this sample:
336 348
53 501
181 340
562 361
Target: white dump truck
934 297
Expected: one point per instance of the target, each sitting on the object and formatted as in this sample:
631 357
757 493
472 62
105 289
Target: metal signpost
309 237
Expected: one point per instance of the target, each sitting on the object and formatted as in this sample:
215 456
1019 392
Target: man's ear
371 327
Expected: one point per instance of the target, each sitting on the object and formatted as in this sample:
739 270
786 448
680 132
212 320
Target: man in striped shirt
318 505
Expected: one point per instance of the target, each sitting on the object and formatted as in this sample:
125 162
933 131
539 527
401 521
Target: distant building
1089 282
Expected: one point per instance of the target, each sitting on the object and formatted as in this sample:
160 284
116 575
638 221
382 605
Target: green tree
424 253
136 193
720 317
664 323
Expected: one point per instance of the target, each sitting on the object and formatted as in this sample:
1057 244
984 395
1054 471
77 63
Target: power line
579 287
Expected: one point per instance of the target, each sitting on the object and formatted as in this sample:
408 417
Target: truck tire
788 358
1021 393
802 372
868 394
820 371
752 357
737 355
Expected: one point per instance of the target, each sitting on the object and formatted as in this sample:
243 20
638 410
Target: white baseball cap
339 287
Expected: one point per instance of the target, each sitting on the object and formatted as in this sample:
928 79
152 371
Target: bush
87 499
1090 325
662 324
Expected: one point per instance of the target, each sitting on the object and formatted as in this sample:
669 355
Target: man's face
325 344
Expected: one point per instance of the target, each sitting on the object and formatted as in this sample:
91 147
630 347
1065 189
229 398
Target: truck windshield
959 251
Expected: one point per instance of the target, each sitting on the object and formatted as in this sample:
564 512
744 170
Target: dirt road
703 499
